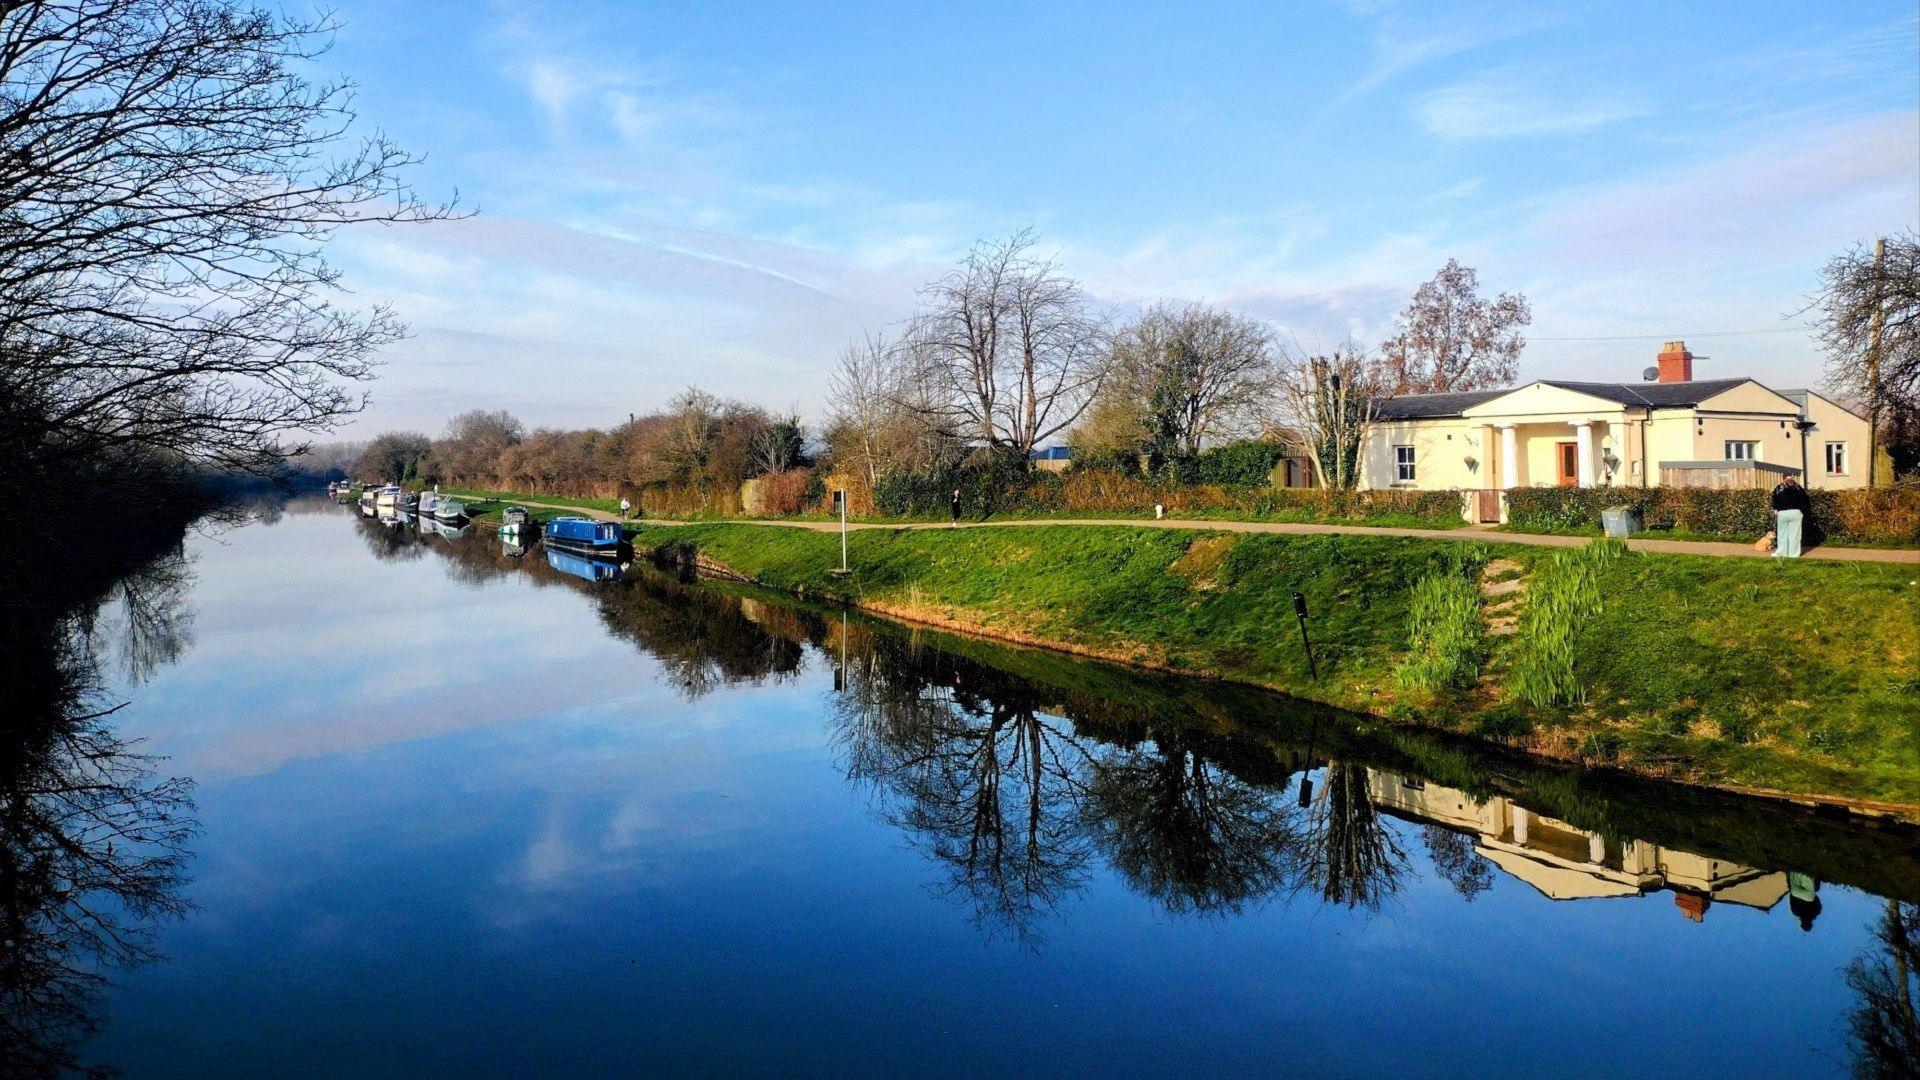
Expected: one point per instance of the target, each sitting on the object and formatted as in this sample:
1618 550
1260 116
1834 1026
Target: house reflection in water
1569 863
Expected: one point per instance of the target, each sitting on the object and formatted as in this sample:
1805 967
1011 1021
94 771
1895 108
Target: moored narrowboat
584 534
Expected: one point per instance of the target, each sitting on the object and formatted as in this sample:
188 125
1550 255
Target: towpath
1669 547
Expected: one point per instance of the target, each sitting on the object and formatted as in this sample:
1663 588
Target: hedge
1006 492
1885 516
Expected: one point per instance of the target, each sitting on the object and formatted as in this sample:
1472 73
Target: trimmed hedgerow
1886 516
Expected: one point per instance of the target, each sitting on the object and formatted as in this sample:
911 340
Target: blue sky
727 193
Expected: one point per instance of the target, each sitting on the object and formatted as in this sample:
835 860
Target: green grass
1798 676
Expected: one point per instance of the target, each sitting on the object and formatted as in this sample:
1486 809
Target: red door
1569 457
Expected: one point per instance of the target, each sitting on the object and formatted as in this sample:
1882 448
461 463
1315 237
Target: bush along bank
1887 516
1802 678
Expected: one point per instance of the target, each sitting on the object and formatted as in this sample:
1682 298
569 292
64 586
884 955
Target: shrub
1249 463
1884 516
783 494
1446 634
1561 594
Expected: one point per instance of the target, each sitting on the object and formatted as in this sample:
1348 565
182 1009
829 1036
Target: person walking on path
1791 506
626 508
955 506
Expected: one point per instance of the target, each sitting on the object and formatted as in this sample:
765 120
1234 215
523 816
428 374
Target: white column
1596 848
1520 825
1509 457
1617 442
1583 440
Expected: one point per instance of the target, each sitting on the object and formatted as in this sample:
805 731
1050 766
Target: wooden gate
1488 506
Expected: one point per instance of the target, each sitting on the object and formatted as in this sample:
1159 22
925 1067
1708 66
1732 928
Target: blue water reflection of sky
458 828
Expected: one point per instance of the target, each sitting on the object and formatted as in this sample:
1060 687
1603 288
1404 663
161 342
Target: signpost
840 504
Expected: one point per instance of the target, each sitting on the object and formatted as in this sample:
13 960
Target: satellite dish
1652 374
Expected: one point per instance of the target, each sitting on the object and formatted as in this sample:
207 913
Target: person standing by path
626 508
1791 506
955 505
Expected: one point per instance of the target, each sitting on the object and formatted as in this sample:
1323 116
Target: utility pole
1873 365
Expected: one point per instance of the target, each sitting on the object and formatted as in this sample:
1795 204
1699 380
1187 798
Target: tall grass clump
1561 594
1447 637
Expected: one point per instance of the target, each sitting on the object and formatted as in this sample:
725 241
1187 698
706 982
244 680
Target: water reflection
1014 771
582 567
1883 1025
1027 786
92 841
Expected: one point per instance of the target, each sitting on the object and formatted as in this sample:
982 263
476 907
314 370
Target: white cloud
1506 106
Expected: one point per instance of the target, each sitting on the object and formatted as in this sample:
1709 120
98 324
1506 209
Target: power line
1681 336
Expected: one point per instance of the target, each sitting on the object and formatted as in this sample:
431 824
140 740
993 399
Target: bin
1620 520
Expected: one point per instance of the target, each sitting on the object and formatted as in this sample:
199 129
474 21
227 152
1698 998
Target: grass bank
1800 677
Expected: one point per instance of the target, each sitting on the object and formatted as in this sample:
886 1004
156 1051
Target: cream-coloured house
1565 862
1672 431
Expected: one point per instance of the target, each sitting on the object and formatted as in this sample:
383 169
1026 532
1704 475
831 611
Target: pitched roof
1653 395
1656 395
1428 406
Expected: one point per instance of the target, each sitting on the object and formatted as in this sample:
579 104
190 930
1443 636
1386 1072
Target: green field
1801 676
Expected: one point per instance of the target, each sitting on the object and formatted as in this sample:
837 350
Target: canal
384 802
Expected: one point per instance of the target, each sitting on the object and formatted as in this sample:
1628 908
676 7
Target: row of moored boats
583 536
395 499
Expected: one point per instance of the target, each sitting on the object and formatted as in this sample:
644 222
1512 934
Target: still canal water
460 812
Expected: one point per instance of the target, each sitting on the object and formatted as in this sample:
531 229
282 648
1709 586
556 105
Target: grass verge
1801 677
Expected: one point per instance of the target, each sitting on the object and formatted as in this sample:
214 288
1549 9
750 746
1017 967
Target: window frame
1405 471
1845 457
1752 447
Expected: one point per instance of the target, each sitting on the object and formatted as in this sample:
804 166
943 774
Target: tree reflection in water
92 844
1883 1026
1189 834
962 759
1013 771
1352 857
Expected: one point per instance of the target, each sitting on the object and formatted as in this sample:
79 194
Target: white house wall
1467 451
1831 423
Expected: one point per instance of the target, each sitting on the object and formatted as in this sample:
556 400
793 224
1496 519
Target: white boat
446 509
407 500
428 500
387 497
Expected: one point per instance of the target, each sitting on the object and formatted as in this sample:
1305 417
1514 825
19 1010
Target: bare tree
1870 328
1007 348
169 176
474 441
1451 339
1321 408
1183 374
861 405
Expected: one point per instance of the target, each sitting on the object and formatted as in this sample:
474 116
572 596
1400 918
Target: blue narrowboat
580 566
581 534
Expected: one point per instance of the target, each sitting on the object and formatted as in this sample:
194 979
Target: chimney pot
1676 363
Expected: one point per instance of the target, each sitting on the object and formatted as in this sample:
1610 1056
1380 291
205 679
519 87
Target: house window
1403 464
1743 450
1836 459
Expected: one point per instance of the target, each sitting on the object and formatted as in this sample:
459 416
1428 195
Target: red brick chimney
1676 363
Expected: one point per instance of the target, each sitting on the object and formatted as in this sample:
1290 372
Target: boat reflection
584 567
